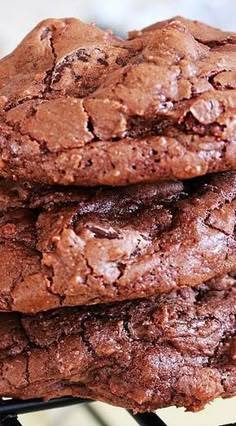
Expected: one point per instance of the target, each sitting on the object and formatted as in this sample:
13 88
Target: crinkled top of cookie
72 246
81 106
203 33
175 349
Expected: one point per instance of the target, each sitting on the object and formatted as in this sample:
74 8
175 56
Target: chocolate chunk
175 349
72 246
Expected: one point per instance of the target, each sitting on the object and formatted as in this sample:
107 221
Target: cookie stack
118 190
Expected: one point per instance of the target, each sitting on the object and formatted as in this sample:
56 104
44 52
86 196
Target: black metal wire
16 406
9 421
96 416
148 419
229 424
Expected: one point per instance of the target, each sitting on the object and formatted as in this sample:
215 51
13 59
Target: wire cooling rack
9 410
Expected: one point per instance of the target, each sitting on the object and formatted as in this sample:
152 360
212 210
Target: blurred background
19 17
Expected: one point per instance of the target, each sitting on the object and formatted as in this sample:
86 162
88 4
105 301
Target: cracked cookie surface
172 349
80 106
73 246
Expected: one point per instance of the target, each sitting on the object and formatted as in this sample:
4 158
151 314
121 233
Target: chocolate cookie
203 33
175 349
74 247
80 106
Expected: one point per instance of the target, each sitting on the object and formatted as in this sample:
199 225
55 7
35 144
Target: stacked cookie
118 190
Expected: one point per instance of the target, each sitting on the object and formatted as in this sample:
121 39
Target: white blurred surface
220 412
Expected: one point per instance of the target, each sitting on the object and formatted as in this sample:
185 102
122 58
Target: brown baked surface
176 349
80 106
71 246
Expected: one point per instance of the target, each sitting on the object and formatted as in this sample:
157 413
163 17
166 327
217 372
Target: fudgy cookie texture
81 106
174 349
72 247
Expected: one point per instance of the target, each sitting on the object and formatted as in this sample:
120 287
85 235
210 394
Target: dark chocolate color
176 349
80 106
79 246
